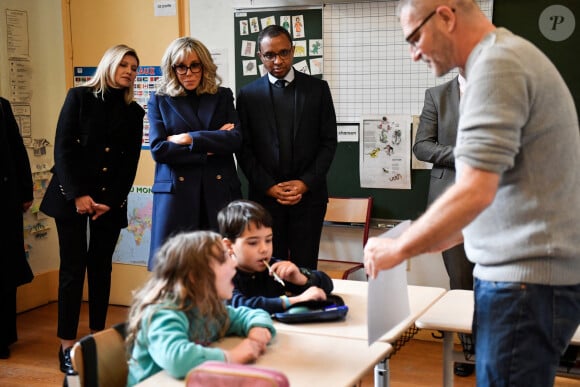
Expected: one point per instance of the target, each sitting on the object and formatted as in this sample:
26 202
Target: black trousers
297 230
459 268
84 250
8 312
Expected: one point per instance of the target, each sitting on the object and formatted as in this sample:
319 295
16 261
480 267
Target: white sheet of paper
388 298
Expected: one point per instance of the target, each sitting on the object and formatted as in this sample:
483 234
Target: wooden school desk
307 360
454 313
354 294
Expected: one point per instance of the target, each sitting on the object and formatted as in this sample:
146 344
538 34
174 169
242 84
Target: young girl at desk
262 281
180 311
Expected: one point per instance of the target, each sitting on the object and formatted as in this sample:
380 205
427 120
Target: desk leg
382 374
448 359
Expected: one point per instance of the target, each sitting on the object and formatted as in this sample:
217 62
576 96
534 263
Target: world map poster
133 245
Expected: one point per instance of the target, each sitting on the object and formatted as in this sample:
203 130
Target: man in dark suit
15 197
434 143
289 139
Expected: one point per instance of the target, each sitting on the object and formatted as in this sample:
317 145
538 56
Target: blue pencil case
331 309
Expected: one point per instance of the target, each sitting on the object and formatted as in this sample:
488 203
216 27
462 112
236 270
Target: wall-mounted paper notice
165 8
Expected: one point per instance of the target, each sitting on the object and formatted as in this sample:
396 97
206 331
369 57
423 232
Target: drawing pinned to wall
39 146
249 67
262 70
316 66
300 48
315 46
244 29
385 152
298 27
268 21
285 22
254 27
248 48
302 66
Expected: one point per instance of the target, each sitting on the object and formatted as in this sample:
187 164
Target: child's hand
313 293
289 272
246 352
261 335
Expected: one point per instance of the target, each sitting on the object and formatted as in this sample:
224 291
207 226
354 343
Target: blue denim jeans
521 330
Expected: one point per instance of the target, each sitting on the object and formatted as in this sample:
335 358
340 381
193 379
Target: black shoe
65 360
4 352
463 369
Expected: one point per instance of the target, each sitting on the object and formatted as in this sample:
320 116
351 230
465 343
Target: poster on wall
133 244
145 84
385 151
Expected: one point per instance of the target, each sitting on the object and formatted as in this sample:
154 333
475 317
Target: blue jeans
521 330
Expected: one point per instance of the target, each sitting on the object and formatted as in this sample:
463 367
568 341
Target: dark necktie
281 83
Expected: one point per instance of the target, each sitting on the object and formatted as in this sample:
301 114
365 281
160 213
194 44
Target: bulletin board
305 27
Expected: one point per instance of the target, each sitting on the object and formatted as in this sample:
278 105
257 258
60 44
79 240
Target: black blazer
96 151
314 136
15 190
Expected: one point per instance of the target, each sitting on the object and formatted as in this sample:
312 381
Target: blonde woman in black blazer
97 148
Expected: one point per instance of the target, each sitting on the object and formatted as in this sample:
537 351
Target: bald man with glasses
516 195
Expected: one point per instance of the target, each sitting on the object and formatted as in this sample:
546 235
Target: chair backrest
100 359
350 210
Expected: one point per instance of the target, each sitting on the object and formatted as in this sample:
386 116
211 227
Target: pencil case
218 374
331 309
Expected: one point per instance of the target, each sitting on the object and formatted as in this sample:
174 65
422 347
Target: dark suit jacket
15 189
188 182
437 133
314 136
96 152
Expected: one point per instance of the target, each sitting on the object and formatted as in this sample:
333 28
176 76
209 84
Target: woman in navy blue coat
194 132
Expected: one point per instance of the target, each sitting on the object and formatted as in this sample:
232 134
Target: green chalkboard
525 21
247 25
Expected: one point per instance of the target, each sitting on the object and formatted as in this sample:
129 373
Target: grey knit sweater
517 119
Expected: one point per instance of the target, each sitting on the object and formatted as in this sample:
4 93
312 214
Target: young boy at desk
262 281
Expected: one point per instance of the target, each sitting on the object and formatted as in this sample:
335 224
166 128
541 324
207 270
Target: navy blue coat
15 190
190 184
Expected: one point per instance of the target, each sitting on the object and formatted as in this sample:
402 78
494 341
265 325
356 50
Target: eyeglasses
414 32
271 56
194 67
409 37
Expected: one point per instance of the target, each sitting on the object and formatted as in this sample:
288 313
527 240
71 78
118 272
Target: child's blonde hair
183 277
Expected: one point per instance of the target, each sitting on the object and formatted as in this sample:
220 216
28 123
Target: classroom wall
46 57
